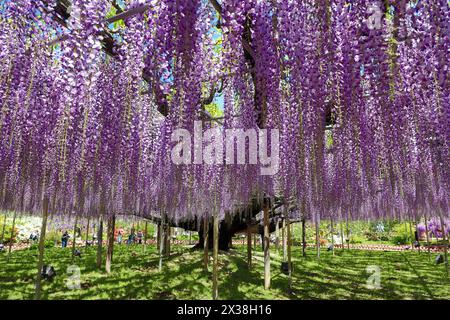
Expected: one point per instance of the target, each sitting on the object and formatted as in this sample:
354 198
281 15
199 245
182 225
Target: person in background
33 236
65 239
131 238
140 235
119 237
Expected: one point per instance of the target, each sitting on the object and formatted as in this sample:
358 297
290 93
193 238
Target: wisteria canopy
362 109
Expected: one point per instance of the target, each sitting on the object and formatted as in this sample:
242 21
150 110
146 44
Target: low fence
371 247
386 247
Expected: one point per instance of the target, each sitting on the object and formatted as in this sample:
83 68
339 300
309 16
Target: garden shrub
402 234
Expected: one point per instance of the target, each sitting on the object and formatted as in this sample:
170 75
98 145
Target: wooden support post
317 236
303 237
205 242
215 292
167 239
161 245
406 230
145 235
416 233
12 235
266 246
445 245
93 233
411 234
332 236
38 288
99 243
74 237
428 237
289 256
87 232
287 224
348 235
249 247
283 236
110 242
158 236
277 237
3 229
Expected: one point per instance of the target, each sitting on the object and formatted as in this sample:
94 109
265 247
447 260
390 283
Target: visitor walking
65 239
131 238
140 236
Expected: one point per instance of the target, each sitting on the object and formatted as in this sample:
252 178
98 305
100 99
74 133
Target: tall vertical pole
145 234
158 235
74 237
303 236
87 232
283 236
93 232
445 244
161 244
3 229
168 238
332 236
110 241
428 237
317 236
99 243
348 235
215 292
289 243
411 234
277 237
12 234
205 242
249 247
266 245
38 288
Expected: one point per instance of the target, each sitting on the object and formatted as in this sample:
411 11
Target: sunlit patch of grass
135 275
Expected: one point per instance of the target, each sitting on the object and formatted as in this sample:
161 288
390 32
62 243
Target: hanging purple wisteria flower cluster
359 92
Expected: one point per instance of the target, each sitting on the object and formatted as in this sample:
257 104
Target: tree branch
245 44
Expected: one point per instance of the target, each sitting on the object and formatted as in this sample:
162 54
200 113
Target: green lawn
404 275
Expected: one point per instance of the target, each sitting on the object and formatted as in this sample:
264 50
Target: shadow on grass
135 275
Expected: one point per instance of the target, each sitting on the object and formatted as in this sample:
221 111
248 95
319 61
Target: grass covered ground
404 275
